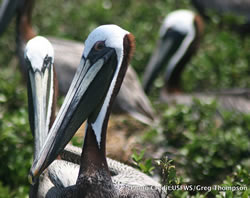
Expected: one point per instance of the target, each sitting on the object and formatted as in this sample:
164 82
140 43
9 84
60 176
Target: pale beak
40 96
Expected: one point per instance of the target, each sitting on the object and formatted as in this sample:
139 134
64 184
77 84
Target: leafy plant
209 147
237 185
167 174
144 165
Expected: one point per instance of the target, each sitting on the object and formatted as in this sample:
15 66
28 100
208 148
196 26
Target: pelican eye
99 45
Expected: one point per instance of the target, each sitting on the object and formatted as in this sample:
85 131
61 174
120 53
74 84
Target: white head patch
180 20
36 50
113 36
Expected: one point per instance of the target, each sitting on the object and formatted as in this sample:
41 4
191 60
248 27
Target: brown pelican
179 38
39 55
96 83
137 105
180 35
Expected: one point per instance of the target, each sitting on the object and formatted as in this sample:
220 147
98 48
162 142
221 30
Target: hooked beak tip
32 177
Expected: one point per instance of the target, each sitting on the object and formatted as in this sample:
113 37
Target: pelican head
97 81
39 55
177 33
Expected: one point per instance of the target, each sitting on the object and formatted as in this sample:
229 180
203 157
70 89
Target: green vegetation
208 148
145 165
15 139
203 146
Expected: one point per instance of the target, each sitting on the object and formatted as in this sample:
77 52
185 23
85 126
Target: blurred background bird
180 37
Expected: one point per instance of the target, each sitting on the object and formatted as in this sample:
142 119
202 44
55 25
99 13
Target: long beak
84 100
40 95
7 10
165 50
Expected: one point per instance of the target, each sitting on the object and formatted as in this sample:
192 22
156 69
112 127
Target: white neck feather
97 125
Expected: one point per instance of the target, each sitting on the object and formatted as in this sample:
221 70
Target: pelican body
96 83
137 106
180 35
